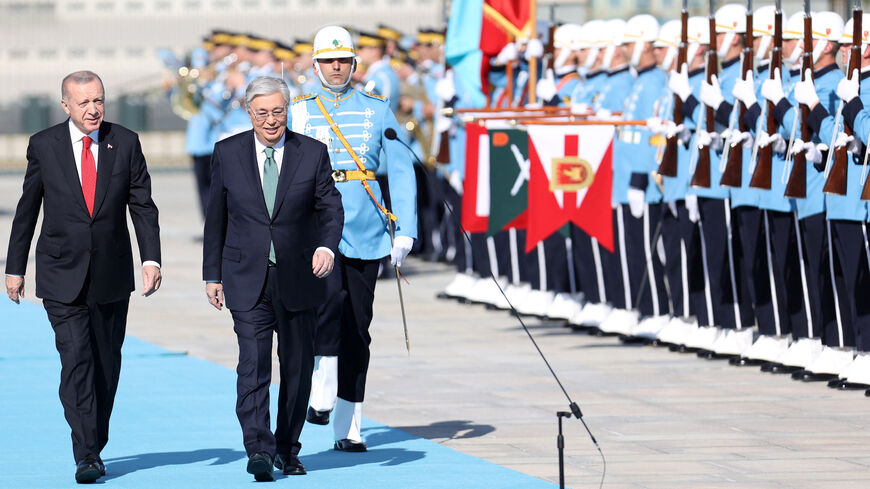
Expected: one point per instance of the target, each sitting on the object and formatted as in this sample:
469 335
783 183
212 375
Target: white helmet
614 30
669 37
332 42
567 38
794 29
640 29
763 26
849 29
698 35
730 20
593 35
827 27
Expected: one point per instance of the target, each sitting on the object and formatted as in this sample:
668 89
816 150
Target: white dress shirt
278 156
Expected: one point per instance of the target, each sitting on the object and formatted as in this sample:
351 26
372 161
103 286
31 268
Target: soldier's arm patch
303 97
376 96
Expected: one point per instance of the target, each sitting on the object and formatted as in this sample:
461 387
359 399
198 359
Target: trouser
588 265
202 173
254 329
684 265
615 267
716 236
851 270
785 275
429 239
752 268
88 337
344 320
812 236
642 260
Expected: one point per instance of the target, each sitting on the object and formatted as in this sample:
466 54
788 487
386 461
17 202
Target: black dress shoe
289 464
778 368
837 383
317 417
851 386
746 362
867 393
89 470
808 376
260 465
346 445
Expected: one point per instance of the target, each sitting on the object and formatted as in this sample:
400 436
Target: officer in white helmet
352 124
558 83
592 43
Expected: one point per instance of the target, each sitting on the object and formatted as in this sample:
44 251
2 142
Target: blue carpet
174 426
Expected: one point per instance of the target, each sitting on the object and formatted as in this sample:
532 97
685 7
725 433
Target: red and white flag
570 181
475 187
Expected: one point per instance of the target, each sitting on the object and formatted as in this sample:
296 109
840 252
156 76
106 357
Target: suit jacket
307 214
71 242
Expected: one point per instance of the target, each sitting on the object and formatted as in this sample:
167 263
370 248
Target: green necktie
270 188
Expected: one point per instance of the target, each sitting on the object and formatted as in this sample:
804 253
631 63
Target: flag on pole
475 189
570 178
508 178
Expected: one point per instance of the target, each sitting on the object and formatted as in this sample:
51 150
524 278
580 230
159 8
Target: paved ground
473 382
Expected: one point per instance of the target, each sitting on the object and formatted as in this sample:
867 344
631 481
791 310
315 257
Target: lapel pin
110 146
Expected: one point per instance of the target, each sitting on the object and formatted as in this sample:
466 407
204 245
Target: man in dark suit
271 233
85 174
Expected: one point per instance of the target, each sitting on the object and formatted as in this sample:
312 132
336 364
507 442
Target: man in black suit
271 233
85 174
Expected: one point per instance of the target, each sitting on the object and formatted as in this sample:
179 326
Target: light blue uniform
743 195
386 82
586 91
362 118
633 154
614 90
775 199
825 81
861 128
677 187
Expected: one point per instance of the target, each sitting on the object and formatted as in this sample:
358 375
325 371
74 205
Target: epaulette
375 96
303 97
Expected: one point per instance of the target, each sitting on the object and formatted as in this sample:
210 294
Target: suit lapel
105 164
67 162
289 166
250 168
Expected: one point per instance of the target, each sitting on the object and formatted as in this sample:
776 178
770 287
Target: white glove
708 139
737 137
805 91
678 83
636 202
692 207
711 93
401 247
545 89
534 49
771 89
456 182
654 124
578 109
852 145
445 88
765 139
744 90
603 114
508 53
813 152
848 89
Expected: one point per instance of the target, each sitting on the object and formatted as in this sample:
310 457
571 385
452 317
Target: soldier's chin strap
334 88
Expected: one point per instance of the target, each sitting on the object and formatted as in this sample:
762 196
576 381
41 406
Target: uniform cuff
689 107
723 113
781 108
817 115
850 111
324 248
750 118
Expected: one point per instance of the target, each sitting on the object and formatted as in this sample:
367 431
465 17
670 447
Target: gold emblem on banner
571 174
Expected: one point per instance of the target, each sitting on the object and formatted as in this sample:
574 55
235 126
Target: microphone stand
391 134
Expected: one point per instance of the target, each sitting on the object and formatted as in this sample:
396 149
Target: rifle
701 178
764 165
550 49
836 182
732 176
668 166
443 155
796 187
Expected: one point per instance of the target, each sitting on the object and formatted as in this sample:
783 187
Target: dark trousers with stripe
642 259
784 262
820 299
752 269
612 262
344 320
683 264
588 266
715 228
88 337
853 284
254 330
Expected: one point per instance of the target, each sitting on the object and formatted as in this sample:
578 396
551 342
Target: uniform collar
594 74
726 64
618 70
329 95
644 70
696 72
824 71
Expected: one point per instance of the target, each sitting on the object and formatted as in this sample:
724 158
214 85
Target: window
75 53
18 54
48 53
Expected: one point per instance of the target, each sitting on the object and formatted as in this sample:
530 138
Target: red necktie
89 174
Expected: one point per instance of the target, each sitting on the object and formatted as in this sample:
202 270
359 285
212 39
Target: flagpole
533 63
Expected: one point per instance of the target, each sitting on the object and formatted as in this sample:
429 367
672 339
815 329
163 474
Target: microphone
391 134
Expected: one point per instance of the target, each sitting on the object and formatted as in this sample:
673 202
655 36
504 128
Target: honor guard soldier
391 37
352 123
380 78
559 82
592 36
304 67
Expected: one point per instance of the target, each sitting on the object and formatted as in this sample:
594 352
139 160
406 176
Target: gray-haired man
271 233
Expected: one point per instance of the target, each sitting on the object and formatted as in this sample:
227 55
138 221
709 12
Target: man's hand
401 247
15 288
215 293
322 263
151 279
